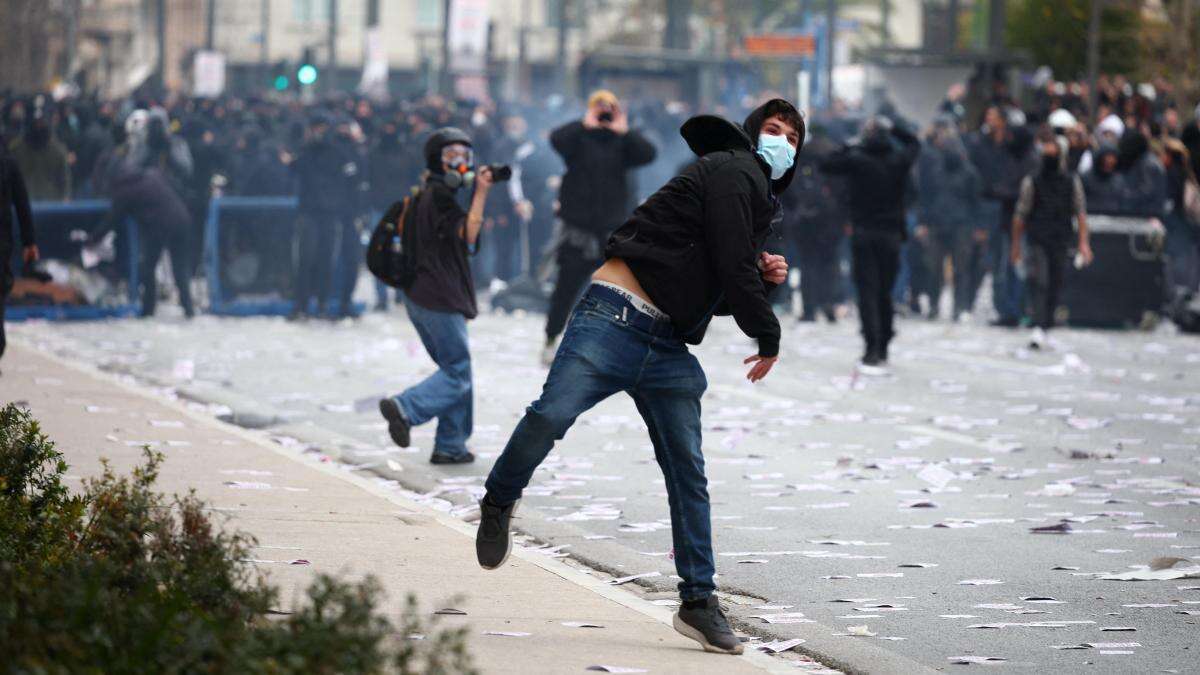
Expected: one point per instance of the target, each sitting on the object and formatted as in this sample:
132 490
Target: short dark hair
786 112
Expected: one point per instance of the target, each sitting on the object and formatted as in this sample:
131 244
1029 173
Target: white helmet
1061 119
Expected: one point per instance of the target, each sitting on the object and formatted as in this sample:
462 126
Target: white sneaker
964 318
548 352
1037 339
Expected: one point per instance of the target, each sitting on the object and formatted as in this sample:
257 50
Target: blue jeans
446 394
1008 291
609 347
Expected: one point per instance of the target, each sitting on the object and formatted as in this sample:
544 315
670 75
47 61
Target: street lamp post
1093 54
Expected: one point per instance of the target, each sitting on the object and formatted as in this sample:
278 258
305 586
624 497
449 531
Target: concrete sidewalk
301 507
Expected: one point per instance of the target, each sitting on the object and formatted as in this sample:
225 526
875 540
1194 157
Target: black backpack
392 251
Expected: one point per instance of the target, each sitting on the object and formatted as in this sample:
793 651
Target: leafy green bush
121 579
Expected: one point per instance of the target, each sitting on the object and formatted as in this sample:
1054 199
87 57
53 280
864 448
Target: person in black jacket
692 250
814 224
877 173
593 199
1105 187
326 176
145 194
13 197
1002 154
1049 199
951 222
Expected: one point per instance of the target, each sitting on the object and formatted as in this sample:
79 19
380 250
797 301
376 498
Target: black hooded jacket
877 179
595 189
13 197
694 245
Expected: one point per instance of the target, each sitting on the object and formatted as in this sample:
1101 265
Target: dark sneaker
397 424
493 542
708 626
872 364
443 458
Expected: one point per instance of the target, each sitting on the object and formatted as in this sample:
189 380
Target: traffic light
280 78
306 74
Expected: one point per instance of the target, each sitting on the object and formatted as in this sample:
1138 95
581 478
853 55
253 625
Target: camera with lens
604 117
500 172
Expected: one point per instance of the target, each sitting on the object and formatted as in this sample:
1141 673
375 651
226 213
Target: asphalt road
832 493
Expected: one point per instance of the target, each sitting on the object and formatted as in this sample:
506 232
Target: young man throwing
692 250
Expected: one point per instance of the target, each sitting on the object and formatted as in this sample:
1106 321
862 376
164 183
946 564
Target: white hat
1111 124
1061 119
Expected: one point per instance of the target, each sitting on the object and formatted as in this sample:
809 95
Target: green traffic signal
281 82
307 74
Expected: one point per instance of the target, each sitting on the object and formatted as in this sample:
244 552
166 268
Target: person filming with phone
440 298
598 151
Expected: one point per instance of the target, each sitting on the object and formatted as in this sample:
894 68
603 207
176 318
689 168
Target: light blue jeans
448 393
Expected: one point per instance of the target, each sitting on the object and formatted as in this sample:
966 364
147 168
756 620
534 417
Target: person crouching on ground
1049 198
692 250
441 298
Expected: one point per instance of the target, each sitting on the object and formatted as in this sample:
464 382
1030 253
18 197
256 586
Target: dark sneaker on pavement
493 541
443 458
397 425
708 626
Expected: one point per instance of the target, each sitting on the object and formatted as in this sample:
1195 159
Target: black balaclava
1098 161
156 135
1130 149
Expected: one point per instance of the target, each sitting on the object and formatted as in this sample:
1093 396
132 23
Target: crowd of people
656 220
347 159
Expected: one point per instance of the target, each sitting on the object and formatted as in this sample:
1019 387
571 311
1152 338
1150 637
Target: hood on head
1132 146
1103 151
706 134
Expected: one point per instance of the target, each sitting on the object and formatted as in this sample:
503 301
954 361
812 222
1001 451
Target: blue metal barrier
47 216
220 302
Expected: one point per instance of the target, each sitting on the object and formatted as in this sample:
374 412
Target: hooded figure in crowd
877 178
42 158
145 194
692 250
326 177
1104 186
1145 179
813 227
951 221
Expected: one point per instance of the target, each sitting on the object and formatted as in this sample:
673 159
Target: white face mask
777 153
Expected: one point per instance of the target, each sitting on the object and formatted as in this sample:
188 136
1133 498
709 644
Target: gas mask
460 167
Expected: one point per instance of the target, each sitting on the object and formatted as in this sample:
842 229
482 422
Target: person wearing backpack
440 297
